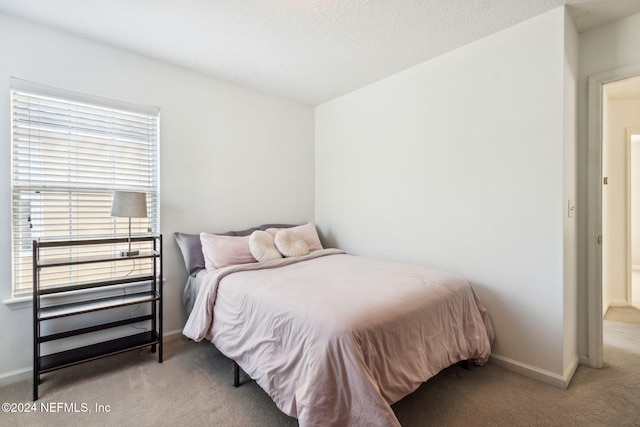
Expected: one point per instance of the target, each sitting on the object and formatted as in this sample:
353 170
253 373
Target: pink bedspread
335 339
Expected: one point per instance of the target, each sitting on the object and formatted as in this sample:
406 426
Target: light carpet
193 387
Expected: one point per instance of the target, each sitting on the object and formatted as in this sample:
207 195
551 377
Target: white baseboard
614 303
173 335
18 375
570 371
22 374
618 303
559 381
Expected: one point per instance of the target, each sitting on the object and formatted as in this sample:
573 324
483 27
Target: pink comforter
335 339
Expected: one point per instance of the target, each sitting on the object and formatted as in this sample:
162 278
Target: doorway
620 191
609 273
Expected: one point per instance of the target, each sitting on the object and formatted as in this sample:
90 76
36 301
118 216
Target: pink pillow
307 231
221 251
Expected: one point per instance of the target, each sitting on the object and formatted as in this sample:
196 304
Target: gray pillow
191 247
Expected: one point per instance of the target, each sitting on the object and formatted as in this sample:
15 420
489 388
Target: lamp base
129 253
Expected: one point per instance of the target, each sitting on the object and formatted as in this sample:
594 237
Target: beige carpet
193 388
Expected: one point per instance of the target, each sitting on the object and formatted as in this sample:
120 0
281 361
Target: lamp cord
124 290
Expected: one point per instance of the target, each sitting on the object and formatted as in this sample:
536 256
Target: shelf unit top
95 241
61 262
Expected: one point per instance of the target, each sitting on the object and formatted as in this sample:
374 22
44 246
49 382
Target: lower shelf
54 361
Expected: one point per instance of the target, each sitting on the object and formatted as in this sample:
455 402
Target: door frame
594 202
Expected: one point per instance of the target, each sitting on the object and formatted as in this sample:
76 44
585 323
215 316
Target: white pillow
307 231
290 244
262 246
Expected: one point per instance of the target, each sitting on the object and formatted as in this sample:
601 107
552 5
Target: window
70 152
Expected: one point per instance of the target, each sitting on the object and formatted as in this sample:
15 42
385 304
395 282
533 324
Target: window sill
18 303
22 302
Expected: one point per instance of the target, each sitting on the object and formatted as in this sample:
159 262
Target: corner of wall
542 375
570 226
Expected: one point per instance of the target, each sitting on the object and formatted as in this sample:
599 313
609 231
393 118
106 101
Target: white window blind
69 154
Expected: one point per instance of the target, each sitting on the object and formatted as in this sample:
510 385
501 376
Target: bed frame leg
464 364
236 374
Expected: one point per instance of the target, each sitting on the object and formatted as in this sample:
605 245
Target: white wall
458 163
570 224
227 152
620 115
601 49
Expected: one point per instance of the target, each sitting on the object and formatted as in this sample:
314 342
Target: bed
333 338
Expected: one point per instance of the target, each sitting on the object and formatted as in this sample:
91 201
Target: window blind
68 158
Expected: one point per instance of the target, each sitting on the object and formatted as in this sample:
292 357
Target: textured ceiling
306 50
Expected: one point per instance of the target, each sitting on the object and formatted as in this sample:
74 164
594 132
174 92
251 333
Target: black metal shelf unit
151 293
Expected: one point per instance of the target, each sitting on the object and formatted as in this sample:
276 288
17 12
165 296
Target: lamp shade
129 204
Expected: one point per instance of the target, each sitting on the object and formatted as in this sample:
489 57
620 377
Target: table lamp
129 204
